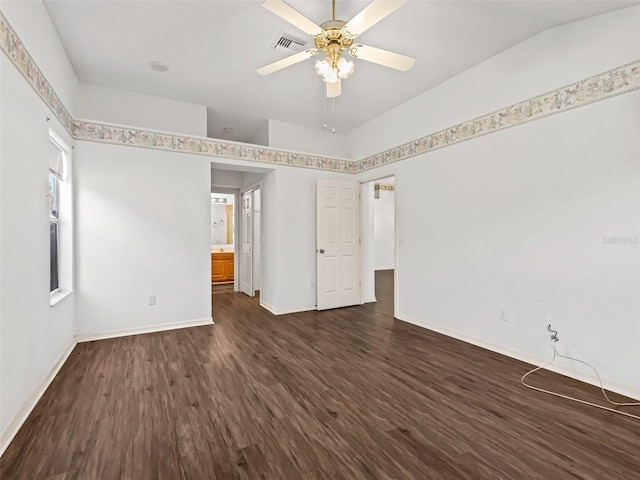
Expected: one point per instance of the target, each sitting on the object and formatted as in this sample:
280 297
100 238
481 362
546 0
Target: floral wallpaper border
134 137
617 81
15 50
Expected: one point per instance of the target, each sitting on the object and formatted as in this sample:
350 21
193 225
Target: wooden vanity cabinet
221 267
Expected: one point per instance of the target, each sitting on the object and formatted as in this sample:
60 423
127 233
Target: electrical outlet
503 314
151 299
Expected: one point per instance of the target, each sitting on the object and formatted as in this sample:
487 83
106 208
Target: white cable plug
554 339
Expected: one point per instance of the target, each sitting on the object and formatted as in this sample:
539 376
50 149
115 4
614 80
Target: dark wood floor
222 287
345 394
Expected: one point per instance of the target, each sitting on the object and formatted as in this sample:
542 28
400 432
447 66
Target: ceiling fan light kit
334 37
331 70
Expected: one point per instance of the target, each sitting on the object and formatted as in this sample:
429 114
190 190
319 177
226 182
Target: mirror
222 220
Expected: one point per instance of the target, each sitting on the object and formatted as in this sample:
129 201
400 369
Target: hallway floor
343 394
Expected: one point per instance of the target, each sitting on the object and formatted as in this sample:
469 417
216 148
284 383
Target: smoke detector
159 66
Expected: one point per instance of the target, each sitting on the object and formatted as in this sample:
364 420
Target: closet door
246 232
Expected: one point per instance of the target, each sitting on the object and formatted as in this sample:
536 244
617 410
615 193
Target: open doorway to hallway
222 240
236 226
378 234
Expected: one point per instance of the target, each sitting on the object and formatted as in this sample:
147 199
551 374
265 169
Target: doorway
222 228
378 199
231 182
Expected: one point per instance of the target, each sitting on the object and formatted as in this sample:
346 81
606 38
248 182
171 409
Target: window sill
58 297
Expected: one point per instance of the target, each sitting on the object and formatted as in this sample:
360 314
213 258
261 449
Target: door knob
322 250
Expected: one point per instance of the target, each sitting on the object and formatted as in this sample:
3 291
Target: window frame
61 214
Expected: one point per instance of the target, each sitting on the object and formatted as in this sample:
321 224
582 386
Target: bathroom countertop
221 249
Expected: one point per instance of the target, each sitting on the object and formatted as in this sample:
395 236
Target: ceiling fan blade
294 17
334 89
372 14
382 57
287 62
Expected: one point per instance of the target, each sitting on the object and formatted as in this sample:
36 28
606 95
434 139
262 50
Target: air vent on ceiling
287 43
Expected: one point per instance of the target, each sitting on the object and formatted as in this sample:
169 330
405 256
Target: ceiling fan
334 37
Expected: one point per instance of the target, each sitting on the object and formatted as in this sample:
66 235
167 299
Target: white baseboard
90 337
369 300
284 311
6 436
626 390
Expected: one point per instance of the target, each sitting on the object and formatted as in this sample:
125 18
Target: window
54 201
60 219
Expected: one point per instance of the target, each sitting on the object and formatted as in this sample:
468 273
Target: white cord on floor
554 340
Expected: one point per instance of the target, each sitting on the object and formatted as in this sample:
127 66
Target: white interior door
246 244
338 244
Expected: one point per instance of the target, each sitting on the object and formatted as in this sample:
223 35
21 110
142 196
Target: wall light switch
152 299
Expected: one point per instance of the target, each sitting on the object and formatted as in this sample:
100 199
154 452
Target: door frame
396 242
250 188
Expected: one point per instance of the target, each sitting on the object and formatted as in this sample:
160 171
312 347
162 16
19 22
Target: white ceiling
213 49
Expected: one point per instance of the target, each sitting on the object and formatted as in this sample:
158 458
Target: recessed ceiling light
159 66
227 130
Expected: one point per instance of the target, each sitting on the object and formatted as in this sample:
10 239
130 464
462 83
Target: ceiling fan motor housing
333 41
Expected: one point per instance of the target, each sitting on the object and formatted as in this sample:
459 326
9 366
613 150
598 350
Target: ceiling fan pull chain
324 98
333 115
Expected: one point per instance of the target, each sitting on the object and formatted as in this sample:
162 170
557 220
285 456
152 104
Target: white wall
261 135
517 218
226 178
549 60
384 228
297 138
251 178
523 228
33 335
31 22
111 105
143 228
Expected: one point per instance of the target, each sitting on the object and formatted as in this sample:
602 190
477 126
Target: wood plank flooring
344 394
222 287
